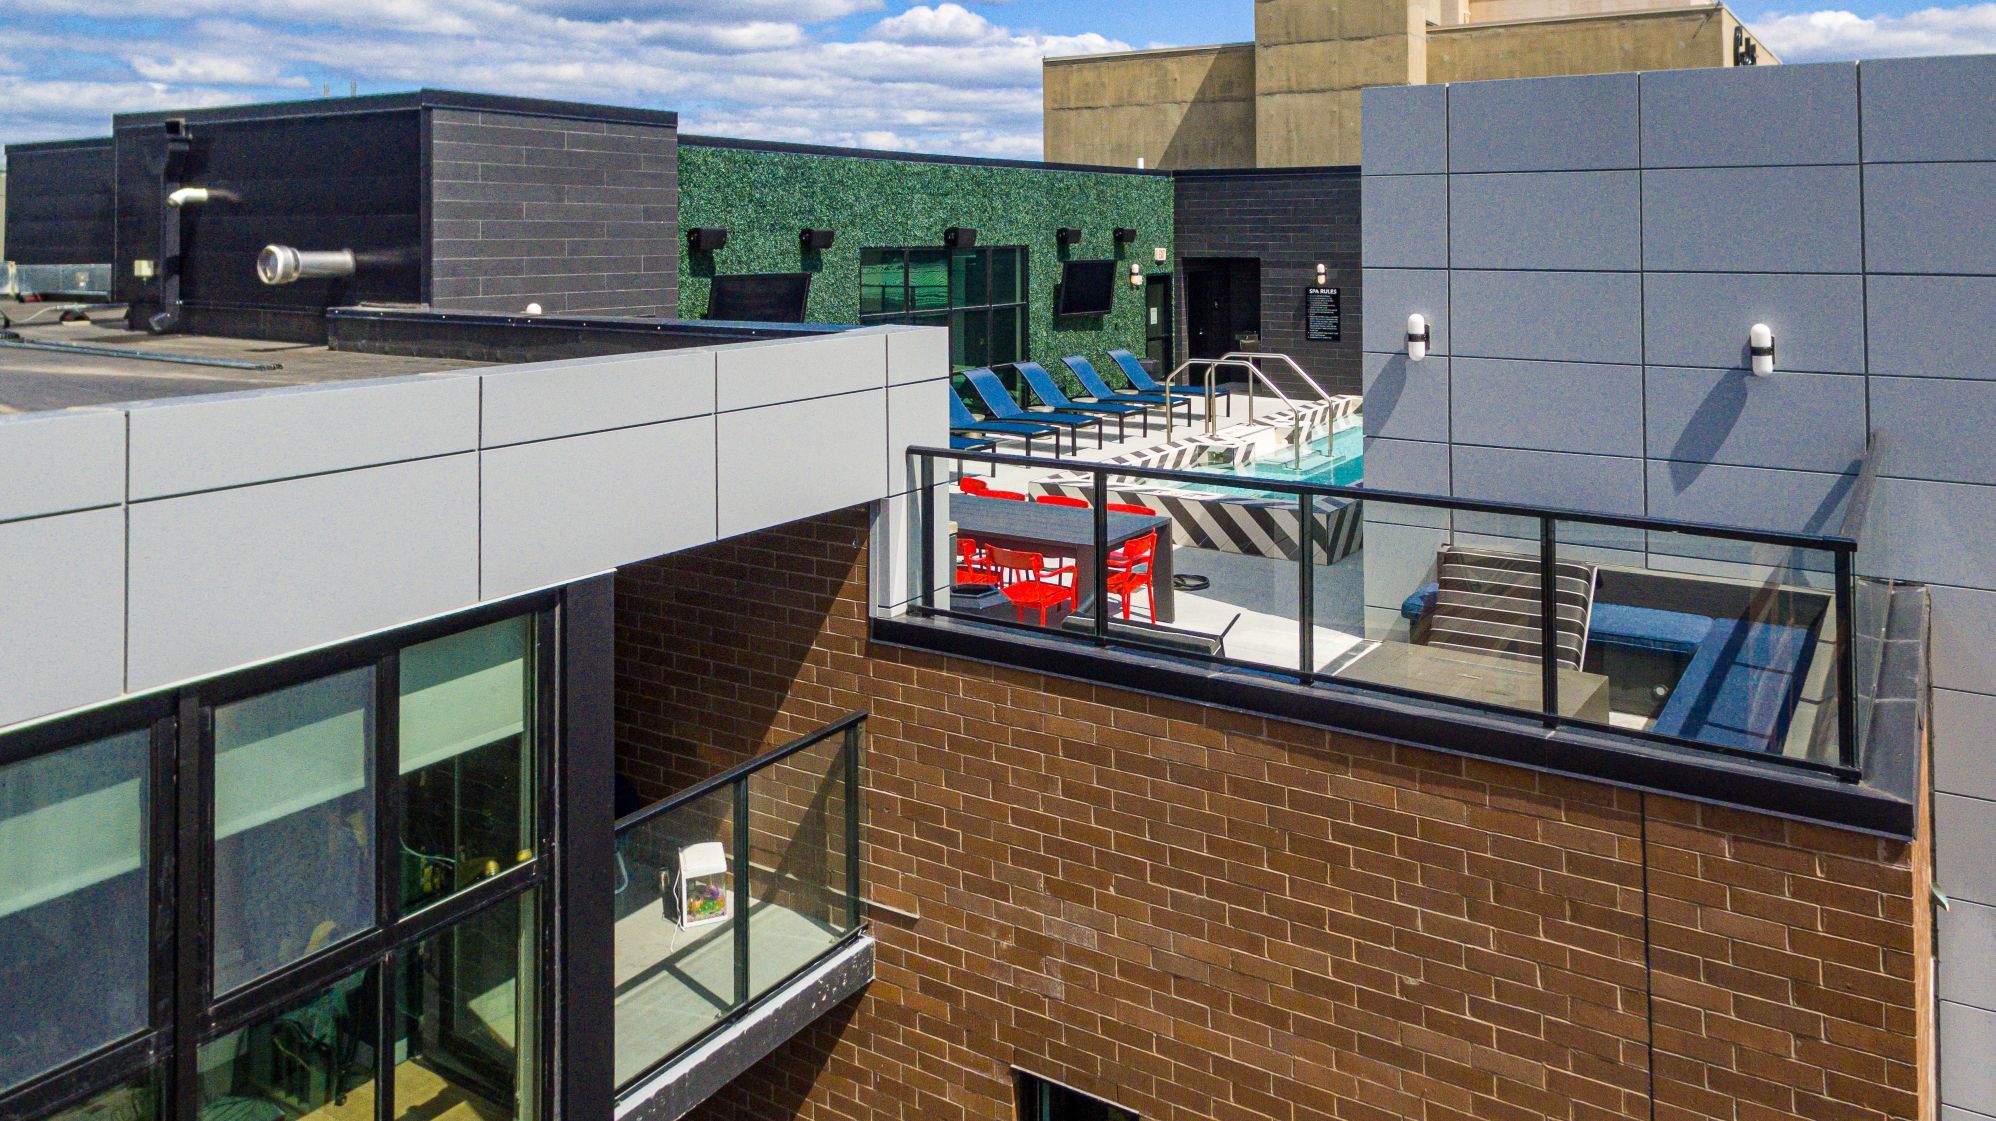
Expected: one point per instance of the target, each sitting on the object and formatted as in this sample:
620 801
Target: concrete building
1290 98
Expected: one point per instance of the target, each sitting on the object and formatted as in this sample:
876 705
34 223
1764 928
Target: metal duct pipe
200 196
281 264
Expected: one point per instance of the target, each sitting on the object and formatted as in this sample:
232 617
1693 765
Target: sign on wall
1322 316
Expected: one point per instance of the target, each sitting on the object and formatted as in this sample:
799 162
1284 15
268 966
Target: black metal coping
509 338
60 145
1884 803
413 99
1267 172
691 141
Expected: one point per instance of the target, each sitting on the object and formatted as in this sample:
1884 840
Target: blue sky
943 75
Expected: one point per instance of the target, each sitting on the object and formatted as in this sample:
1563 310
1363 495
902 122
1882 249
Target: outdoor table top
1040 521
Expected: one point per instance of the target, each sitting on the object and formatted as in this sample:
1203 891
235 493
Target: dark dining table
1066 531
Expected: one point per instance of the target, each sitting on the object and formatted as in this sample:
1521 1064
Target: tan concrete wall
1180 108
1675 40
1509 11
1312 57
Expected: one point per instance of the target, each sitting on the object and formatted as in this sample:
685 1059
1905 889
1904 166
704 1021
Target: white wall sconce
1323 273
1760 349
1417 337
1136 275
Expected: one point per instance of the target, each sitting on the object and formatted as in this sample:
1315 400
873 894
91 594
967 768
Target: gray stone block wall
575 215
1602 362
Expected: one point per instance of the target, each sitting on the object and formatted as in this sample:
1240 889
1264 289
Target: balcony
1712 660
737 918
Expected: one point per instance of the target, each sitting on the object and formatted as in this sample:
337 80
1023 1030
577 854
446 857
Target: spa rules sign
1321 314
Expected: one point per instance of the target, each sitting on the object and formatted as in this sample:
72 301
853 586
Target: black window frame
1032 1090
950 310
183 1010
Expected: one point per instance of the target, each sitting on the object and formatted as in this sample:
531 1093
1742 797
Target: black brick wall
60 202
575 215
1291 220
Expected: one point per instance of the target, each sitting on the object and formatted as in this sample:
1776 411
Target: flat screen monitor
1087 288
768 297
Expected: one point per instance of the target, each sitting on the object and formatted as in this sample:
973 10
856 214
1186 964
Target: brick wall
574 215
1203 914
1292 221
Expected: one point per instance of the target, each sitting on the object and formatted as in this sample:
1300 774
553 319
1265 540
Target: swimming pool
1337 459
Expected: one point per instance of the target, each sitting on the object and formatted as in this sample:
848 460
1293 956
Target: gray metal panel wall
575 215
1292 221
1881 302
61 203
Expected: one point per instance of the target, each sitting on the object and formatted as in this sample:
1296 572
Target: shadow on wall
1213 124
693 697
767 1091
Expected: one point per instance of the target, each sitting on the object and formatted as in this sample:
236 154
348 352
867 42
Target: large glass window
74 911
136 1099
979 294
466 1010
294 824
467 759
316 1054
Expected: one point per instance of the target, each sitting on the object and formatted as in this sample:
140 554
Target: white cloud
1809 36
933 77
943 25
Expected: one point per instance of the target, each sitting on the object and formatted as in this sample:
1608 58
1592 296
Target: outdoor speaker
1066 236
960 237
1125 235
815 241
706 239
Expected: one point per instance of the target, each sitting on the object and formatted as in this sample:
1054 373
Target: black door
1157 322
1222 305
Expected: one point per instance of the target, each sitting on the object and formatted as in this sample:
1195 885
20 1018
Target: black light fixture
960 237
1066 236
1125 235
706 239
815 241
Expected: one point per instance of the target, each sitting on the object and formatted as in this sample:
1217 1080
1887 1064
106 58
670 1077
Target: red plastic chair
1030 585
971 484
1130 570
1126 508
973 565
1010 495
1062 500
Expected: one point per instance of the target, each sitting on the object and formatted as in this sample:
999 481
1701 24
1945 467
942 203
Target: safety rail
1277 356
1298 429
1720 639
729 889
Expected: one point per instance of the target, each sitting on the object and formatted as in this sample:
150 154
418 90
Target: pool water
1337 459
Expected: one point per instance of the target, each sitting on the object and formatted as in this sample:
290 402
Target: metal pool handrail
1256 356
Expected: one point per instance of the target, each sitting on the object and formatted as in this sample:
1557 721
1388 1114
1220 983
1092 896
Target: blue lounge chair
968 444
960 421
1099 390
1141 380
1050 395
1001 406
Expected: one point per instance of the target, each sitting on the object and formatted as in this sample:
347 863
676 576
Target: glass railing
729 889
1706 637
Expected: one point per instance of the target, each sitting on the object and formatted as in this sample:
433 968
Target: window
74 905
979 294
1044 1100
466 750
466 1014
319 1050
294 824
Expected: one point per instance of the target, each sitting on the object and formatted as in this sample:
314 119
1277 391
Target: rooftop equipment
281 264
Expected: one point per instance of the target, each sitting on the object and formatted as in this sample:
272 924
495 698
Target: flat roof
405 101
33 380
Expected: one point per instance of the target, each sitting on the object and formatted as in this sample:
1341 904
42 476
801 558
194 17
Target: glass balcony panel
1451 607
1718 641
675 941
799 836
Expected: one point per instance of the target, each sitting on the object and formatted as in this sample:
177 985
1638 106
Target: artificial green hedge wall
765 197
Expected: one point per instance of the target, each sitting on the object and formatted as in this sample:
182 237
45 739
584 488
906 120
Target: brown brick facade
1203 914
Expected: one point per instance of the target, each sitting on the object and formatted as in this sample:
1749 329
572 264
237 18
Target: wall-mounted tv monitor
768 297
1086 288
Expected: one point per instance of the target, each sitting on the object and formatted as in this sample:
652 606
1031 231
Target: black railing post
854 742
1549 621
1306 588
1101 574
741 891
1846 604
925 532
